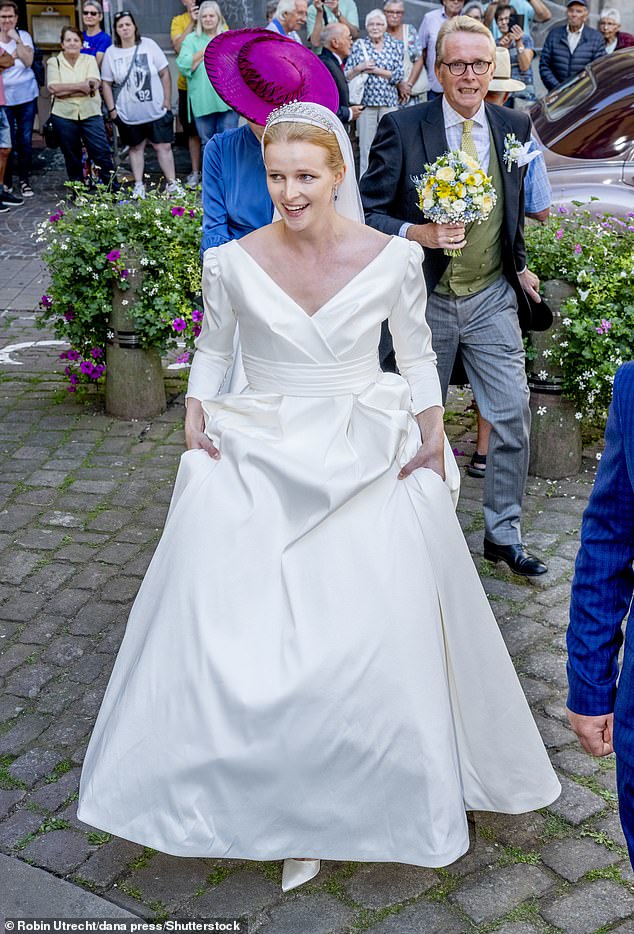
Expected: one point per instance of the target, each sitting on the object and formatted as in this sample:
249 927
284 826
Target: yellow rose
446 174
487 204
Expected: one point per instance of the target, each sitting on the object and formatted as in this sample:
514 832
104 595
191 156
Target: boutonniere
516 153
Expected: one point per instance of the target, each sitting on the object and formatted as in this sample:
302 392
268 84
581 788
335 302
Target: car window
586 118
569 96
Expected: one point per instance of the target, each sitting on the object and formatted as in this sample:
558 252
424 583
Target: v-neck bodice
332 352
312 314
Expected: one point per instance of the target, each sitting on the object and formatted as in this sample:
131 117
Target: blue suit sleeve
604 580
215 217
545 64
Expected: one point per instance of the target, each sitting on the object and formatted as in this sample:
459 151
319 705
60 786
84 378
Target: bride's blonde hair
287 132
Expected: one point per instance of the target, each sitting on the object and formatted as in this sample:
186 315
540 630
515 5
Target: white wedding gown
311 667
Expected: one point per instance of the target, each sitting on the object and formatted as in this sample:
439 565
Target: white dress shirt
479 131
573 39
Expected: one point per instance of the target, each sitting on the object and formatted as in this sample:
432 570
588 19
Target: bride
311 669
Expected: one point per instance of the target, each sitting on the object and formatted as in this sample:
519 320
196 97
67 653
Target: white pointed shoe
298 871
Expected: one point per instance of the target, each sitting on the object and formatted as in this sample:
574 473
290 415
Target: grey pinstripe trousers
485 328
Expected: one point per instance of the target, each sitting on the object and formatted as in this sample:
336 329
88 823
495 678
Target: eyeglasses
394 12
459 68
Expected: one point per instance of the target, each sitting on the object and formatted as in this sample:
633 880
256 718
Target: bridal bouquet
454 189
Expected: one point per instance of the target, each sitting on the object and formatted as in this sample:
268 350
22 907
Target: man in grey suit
477 301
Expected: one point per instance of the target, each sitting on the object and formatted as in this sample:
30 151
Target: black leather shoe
518 559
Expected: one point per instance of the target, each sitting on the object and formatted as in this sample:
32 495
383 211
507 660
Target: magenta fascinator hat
255 71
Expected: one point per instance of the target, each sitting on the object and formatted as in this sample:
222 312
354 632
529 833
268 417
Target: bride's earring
335 194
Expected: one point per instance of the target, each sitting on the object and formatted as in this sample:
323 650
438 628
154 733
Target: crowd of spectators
97 80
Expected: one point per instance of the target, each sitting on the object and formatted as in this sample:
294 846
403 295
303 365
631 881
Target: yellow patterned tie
468 144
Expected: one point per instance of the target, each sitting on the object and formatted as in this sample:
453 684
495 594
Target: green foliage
101 242
98 837
597 257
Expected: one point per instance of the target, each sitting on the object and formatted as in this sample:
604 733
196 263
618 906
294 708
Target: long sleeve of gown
214 344
411 334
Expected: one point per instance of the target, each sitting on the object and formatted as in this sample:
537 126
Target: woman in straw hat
311 668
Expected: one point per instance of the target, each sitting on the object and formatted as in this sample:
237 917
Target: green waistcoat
481 261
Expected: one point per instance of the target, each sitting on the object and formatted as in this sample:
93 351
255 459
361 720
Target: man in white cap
568 49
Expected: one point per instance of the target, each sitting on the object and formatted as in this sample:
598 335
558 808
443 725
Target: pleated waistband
311 379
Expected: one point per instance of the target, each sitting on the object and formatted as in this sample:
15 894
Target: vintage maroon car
586 128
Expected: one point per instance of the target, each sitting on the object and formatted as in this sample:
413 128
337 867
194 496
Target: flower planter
134 375
555 440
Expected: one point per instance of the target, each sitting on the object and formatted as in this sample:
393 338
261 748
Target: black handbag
50 133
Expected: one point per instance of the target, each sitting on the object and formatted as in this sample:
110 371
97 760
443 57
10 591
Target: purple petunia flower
86 367
197 315
46 301
192 213
96 352
71 388
54 218
179 324
183 358
113 256
124 273
74 355
578 248
196 329
604 327
559 234
178 212
562 209
69 315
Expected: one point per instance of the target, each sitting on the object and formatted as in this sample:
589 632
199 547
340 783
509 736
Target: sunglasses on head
121 14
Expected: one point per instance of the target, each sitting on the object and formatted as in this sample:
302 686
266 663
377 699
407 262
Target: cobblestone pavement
82 502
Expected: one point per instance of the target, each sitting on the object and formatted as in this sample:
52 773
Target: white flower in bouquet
455 190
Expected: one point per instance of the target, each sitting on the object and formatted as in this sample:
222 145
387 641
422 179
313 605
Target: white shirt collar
577 33
339 59
452 118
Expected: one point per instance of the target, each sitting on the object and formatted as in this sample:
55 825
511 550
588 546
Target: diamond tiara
301 112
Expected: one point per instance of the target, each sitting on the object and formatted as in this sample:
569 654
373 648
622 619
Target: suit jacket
557 64
335 69
408 139
603 584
